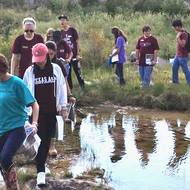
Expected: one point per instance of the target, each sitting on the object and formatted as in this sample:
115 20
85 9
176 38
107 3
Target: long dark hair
3 64
118 32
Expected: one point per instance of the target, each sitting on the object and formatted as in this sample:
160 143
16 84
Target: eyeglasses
31 31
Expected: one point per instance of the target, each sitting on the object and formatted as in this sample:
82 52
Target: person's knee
5 161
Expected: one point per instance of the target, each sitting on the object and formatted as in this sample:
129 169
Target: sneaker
41 178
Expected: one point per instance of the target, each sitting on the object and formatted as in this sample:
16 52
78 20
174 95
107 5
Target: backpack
187 45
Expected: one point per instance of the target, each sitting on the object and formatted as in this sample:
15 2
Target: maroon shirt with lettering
181 51
45 88
23 47
63 50
70 37
146 46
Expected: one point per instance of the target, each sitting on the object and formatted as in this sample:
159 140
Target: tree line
171 7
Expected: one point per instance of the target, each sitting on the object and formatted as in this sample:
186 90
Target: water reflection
136 152
181 145
117 133
145 138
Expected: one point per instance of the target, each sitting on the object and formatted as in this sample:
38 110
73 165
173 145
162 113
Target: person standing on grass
46 82
181 57
146 55
14 98
71 37
22 47
120 50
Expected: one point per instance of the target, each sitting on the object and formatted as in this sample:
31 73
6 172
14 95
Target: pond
137 150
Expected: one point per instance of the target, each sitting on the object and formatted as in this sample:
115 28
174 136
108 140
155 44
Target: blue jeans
9 144
183 62
145 75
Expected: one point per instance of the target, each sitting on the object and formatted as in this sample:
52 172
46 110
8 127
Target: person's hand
154 62
64 113
31 129
72 99
68 60
78 57
34 127
137 62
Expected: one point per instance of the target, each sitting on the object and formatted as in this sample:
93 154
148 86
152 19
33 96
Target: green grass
96 42
102 85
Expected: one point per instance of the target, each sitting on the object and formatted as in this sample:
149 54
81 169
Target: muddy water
137 150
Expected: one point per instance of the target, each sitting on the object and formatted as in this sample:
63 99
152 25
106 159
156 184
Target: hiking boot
52 149
10 178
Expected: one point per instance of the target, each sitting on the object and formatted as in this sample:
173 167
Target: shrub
43 14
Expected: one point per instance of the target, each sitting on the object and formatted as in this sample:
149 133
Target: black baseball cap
64 17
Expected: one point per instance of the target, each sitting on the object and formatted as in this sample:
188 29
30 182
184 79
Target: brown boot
52 150
10 178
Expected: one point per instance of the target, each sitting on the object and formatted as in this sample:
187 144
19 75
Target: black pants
47 127
78 73
119 73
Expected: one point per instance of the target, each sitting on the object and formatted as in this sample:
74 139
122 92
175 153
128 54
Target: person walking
120 50
181 57
22 47
46 82
71 37
52 51
14 98
49 34
146 55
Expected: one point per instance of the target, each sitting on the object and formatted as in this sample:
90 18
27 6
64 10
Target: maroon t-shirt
45 88
63 50
70 37
181 51
146 46
24 47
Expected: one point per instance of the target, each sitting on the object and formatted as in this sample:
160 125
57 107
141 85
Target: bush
9 21
57 6
43 14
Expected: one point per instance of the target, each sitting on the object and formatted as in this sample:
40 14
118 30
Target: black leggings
47 127
77 70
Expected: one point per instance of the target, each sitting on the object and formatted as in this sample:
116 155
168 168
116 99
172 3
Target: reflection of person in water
180 147
118 134
145 139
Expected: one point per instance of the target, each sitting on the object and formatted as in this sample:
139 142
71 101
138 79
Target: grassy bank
102 86
96 42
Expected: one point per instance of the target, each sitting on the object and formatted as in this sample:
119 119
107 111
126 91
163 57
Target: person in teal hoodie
14 98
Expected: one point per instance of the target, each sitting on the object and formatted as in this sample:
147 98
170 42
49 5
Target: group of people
146 54
40 78
44 83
